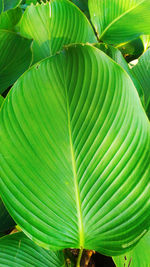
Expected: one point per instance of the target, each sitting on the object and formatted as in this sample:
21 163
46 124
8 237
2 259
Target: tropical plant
75 132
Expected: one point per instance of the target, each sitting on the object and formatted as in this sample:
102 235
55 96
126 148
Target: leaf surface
8 4
75 154
1 6
10 18
17 250
139 256
53 25
1 100
118 21
142 74
15 57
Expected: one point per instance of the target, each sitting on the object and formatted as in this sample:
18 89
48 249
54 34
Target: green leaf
53 25
116 55
139 256
133 49
1 100
15 57
83 5
19 250
10 18
1 6
142 74
6 222
75 154
8 4
120 21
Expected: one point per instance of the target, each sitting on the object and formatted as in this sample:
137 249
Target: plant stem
79 257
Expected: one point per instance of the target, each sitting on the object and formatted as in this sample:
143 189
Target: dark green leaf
15 57
10 18
6 222
8 4
17 250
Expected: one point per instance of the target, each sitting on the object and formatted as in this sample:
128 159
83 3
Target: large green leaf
142 74
54 25
17 250
1 100
116 55
138 257
75 153
10 18
6 222
15 57
83 5
118 21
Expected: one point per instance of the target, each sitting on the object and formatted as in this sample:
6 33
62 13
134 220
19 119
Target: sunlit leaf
1 100
15 57
121 20
75 154
139 256
19 250
54 25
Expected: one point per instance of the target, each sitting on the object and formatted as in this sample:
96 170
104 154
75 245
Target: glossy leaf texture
6 222
116 55
75 154
18 250
15 57
8 4
10 18
139 256
53 25
142 74
119 21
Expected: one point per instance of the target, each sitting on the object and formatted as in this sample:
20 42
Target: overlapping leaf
15 57
116 55
53 25
6 222
118 21
139 256
8 4
75 154
18 250
142 74
1 100
10 18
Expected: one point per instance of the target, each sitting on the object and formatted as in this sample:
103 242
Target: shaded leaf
139 256
83 5
116 55
6 222
132 50
19 250
120 21
1 100
8 4
75 154
10 18
1 6
142 74
15 57
53 25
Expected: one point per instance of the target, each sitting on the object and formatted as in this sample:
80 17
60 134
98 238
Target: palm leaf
53 25
75 154
15 57
18 250
8 4
121 20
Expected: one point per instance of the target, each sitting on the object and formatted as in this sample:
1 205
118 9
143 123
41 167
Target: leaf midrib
122 15
77 191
